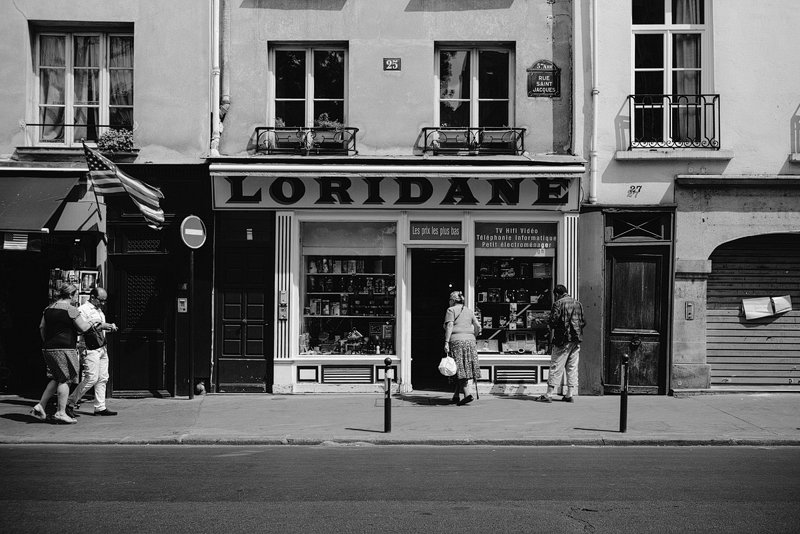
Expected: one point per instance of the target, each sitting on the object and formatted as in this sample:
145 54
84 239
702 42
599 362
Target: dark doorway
434 273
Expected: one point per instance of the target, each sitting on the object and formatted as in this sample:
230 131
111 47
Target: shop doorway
434 273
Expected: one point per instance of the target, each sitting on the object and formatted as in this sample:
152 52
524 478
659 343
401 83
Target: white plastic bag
448 366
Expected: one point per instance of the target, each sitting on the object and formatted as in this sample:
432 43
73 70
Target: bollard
387 402
623 395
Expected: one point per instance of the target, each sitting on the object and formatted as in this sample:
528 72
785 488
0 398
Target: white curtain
687 11
52 62
87 86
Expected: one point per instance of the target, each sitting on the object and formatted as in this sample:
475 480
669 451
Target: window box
474 141
306 141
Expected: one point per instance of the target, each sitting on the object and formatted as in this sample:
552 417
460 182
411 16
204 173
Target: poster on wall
86 280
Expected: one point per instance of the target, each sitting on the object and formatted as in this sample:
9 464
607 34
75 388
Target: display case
349 289
513 300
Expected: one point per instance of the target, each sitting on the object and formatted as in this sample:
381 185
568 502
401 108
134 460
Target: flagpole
96 200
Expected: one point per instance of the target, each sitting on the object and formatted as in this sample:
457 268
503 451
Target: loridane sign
263 191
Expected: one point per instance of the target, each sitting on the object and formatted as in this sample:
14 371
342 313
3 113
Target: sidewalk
766 419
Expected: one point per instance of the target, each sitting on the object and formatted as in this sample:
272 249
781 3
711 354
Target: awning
28 203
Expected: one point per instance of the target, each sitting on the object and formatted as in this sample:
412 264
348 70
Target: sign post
193 235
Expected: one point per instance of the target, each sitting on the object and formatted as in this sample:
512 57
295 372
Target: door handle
635 343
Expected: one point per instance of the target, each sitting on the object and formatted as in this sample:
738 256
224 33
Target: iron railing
93 132
305 141
479 141
674 121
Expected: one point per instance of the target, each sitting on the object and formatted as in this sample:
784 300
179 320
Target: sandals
38 412
64 419
543 398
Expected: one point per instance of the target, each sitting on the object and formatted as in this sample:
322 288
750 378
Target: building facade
74 71
693 206
374 157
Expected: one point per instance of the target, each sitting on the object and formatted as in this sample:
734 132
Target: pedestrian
461 329
566 333
94 363
61 323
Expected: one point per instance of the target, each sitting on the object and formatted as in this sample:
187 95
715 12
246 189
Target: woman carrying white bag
460 331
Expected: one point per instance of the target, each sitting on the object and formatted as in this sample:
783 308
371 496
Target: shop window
475 87
310 87
671 104
84 86
349 288
514 266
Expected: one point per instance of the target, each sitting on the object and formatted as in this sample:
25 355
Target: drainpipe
225 36
595 93
215 74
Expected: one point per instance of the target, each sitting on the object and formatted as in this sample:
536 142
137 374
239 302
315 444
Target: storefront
363 259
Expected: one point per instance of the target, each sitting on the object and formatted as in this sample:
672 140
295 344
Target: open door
434 273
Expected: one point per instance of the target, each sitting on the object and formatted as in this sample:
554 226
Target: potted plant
330 133
117 144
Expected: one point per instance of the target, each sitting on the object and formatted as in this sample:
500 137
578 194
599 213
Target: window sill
64 154
794 157
671 154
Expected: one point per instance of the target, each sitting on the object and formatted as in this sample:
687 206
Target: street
398 489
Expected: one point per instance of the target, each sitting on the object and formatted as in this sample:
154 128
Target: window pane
291 114
51 86
121 87
453 113
687 12
686 82
290 74
492 74
649 50
120 52
87 51
686 50
493 113
648 12
87 87
685 122
51 51
454 76
649 124
649 83
86 121
121 118
53 119
327 111
329 74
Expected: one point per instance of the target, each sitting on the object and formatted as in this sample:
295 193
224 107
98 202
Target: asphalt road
398 489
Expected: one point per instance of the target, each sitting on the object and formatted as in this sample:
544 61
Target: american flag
106 179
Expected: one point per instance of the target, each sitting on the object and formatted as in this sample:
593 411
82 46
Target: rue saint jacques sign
242 191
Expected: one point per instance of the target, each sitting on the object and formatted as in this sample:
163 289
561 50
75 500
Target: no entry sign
193 231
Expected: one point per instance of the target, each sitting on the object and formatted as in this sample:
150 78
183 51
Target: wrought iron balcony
306 141
674 121
481 141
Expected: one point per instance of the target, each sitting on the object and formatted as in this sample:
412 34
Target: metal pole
191 323
387 401
623 395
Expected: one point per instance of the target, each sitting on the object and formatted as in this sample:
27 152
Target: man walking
566 330
95 362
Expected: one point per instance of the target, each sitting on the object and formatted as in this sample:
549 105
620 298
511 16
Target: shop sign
516 235
435 231
262 191
544 79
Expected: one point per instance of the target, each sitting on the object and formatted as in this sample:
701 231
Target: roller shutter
761 353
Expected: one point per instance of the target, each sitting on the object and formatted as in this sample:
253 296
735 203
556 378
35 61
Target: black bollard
387 402
623 395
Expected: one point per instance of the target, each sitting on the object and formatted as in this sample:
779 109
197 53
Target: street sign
193 232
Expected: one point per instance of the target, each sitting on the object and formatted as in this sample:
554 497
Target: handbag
94 338
447 366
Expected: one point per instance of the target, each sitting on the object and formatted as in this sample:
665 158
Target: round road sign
193 231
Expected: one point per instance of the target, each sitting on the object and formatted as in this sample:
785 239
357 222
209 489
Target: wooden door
244 309
636 315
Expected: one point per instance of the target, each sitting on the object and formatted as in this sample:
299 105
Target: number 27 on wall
634 191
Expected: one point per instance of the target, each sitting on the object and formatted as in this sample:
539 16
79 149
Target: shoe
568 399
455 398
64 419
71 411
465 400
105 412
543 398
38 412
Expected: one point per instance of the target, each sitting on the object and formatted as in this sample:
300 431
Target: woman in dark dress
461 328
60 326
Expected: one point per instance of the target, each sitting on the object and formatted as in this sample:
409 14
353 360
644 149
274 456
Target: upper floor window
475 87
310 86
670 75
84 85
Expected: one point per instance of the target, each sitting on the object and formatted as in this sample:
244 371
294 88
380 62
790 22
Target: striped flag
107 179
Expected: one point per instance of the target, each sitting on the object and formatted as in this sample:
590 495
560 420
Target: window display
513 300
349 289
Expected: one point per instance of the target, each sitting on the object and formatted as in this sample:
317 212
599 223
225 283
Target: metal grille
141 292
515 374
143 244
350 374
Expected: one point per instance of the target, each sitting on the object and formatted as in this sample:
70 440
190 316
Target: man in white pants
95 362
